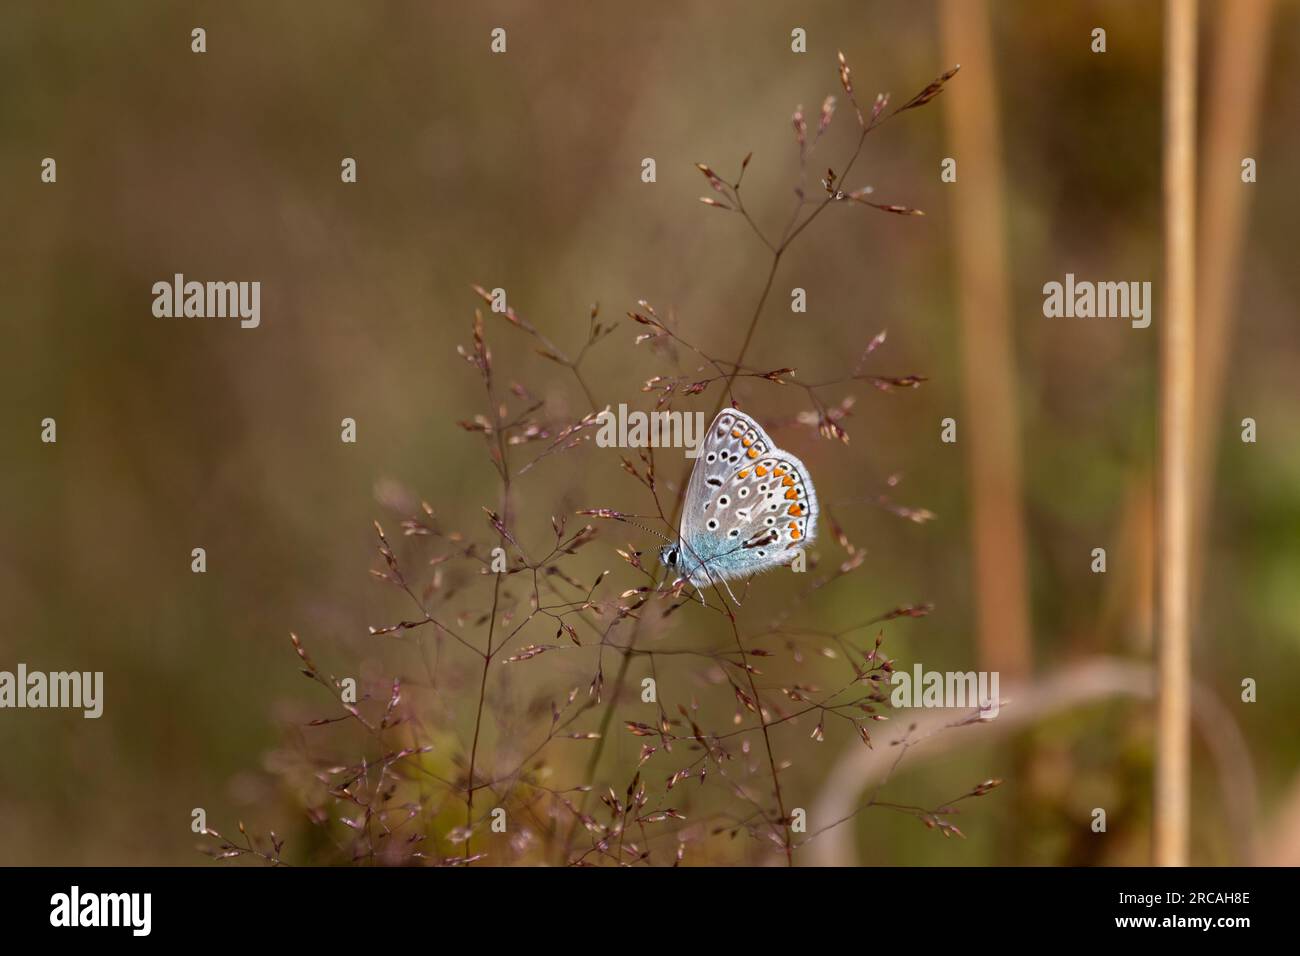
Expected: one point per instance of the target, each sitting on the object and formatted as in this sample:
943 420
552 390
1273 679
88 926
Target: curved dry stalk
1077 686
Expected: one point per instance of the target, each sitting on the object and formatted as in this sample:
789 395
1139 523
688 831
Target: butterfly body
749 507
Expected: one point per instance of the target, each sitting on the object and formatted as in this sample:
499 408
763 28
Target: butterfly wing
749 505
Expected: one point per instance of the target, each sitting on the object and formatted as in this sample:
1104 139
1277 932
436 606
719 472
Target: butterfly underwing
749 506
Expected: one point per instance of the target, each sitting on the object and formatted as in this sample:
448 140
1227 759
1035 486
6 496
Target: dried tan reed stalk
1232 119
991 424
1177 394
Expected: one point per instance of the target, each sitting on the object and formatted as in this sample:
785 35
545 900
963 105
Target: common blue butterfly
748 508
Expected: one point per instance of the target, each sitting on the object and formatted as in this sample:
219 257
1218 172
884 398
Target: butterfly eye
672 556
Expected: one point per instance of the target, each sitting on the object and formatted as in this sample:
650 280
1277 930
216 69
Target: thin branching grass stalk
432 781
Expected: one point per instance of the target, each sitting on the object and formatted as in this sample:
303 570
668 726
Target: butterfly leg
729 591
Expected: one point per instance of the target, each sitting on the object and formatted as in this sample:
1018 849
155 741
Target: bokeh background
523 171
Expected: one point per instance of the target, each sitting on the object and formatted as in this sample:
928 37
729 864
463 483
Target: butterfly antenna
658 534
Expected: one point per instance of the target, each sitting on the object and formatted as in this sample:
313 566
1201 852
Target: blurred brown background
523 171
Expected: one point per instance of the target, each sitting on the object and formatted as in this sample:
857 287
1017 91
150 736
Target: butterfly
749 506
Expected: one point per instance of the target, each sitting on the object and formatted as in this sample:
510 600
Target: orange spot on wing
760 471
792 493
747 442
779 472
794 533
752 453
787 481
796 510
735 433
743 474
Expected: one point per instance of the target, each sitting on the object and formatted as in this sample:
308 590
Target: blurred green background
523 171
